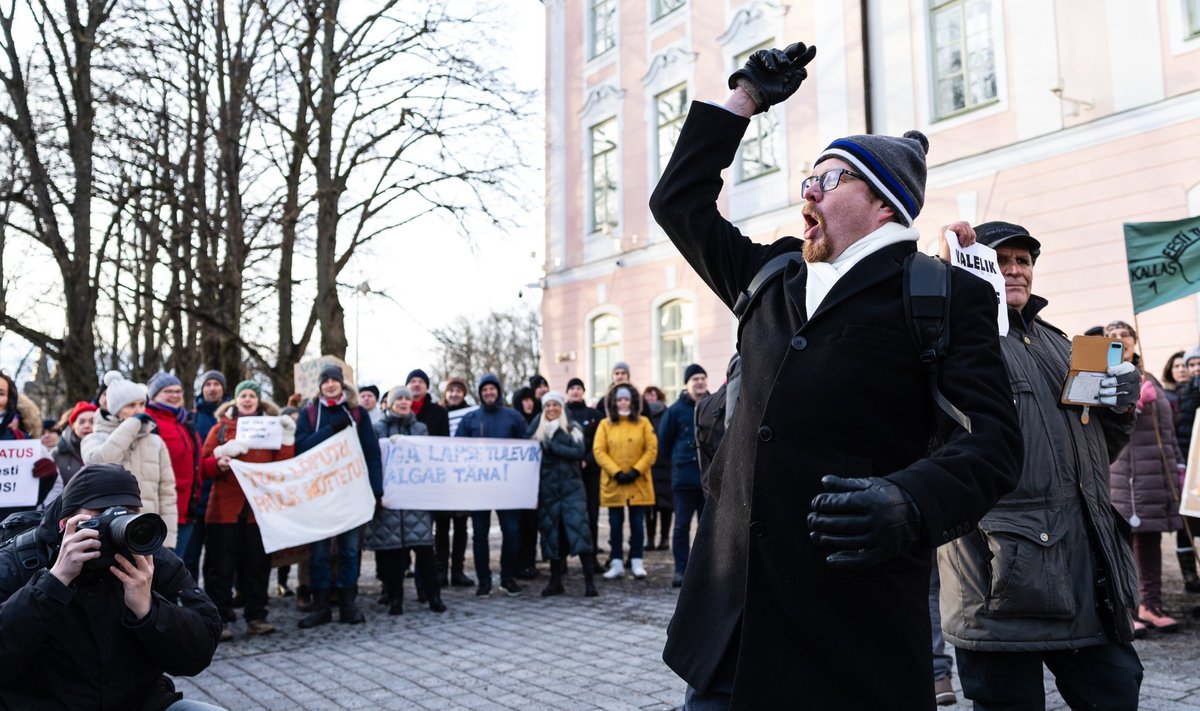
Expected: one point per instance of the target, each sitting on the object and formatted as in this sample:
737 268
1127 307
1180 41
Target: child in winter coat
124 434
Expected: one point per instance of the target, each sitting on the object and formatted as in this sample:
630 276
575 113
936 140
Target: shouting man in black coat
812 560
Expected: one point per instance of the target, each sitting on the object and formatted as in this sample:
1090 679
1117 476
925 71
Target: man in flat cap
826 498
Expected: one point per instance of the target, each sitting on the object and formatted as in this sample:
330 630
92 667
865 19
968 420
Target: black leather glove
772 75
627 477
145 417
340 424
865 522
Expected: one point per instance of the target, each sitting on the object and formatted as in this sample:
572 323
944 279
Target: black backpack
926 308
18 536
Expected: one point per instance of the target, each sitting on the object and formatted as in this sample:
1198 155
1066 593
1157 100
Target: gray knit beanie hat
160 380
1193 352
895 168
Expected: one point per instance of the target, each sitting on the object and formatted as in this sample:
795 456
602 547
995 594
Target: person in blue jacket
493 420
334 409
677 435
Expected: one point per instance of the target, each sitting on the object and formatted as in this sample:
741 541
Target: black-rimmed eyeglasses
828 180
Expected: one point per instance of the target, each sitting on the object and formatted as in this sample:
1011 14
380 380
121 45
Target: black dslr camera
125 532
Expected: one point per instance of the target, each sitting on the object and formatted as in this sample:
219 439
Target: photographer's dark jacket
761 615
78 647
1026 579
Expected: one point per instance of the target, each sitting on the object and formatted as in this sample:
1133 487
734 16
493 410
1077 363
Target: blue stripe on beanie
894 166
880 171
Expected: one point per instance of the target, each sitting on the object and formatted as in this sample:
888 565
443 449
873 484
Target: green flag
1164 261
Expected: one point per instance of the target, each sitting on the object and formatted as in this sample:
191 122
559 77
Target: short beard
821 250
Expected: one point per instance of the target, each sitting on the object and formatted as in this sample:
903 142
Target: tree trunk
329 191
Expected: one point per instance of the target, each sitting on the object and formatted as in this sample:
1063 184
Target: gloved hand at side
864 522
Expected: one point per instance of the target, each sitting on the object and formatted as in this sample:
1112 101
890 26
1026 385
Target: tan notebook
1090 357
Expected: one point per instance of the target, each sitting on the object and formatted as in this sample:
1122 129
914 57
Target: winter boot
458 579
555 586
616 570
427 575
318 611
589 581
348 612
639 571
1187 564
664 535
304 599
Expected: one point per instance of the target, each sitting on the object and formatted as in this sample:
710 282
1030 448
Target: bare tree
55 189
506 343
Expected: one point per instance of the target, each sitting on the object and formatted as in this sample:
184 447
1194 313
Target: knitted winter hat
331 372
554 396
623 392
537 379
576 381
994 234
80 408
98 486
373 389
1191 353
214 375
122 392
158 381
895 167
248 385
693 369
457 382
400 391
622 365
417 373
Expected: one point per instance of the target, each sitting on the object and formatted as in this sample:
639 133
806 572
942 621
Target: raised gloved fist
865 522
1121 386
232 449
772 75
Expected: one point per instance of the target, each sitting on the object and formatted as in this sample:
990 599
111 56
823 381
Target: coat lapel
873 269
795 285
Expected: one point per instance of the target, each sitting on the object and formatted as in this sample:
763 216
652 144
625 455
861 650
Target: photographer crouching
94 611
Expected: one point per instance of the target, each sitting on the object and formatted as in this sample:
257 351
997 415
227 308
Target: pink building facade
1070 118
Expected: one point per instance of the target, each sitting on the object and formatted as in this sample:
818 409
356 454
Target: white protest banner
260 432
311 497
460 474
18 488
307 373
1189 498
981 261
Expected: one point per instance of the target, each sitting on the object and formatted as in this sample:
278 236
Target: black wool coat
761 614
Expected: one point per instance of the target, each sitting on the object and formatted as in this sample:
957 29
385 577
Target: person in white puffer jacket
124 434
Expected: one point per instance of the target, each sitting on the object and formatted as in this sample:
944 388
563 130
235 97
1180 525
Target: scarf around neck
822 276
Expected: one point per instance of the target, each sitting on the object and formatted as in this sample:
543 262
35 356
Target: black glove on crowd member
772 75
865 522
340 424
145 417
627 477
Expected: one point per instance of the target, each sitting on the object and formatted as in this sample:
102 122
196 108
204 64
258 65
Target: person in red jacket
183 444
234 543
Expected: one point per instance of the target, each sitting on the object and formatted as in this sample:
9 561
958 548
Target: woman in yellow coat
625 448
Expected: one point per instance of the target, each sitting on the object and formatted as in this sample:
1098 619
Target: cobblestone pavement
526 652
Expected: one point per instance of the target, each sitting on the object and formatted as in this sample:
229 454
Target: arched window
606 347
677 342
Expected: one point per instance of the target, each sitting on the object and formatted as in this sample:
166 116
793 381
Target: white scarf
823 275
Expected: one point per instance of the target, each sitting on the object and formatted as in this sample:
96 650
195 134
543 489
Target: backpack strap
927 310
766 273
29 560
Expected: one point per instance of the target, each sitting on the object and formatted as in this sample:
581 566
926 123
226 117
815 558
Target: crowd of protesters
592 458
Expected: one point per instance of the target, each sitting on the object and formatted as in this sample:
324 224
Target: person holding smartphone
1046 578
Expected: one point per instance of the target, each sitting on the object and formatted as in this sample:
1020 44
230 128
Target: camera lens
141 534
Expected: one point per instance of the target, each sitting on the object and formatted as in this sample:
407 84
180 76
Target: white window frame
1183 18
657 364
607 310
613 154
590 27
676 121
656 12
937 6
673 66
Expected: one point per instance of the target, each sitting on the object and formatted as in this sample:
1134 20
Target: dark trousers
481 522
591 488
637 531
392 563
527 530
349 559
654 516
1102 678
688 502
236 549
1147 553
447 556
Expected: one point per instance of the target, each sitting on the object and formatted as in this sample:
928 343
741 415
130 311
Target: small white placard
260 432
981 261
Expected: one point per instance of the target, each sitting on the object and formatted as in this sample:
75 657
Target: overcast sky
427 274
